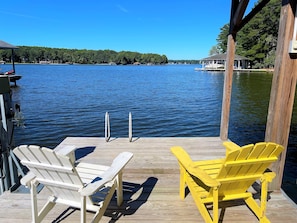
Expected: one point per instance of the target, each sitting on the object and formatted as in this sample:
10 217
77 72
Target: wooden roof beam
237 12
252 13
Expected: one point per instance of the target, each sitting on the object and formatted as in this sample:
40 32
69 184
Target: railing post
130 127
226 101
8 171
107 127
283 89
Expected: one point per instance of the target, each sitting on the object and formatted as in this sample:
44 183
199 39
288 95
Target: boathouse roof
5 45
223 56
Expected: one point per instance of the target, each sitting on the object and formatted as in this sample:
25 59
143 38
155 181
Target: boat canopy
4 45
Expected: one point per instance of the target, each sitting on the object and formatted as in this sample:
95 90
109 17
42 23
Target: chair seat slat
47 166
250 162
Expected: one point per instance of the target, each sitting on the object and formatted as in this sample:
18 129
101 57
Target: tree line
183 61
33 54
257 40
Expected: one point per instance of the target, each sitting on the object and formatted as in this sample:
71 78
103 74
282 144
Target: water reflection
249 106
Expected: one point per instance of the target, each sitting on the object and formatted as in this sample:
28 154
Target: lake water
173 100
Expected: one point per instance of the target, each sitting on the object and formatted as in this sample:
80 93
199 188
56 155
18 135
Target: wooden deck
151 182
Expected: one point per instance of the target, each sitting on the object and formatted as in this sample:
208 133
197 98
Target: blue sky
184 29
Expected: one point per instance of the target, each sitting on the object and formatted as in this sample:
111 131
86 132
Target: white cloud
122 8
18 15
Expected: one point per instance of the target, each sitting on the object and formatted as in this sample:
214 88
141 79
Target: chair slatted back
53 170
242 167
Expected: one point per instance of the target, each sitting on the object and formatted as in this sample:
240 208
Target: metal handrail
130 127
107 127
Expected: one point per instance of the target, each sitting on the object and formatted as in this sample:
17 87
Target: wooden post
227 87
12 58
282 89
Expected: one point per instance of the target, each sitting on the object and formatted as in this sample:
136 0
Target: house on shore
219 62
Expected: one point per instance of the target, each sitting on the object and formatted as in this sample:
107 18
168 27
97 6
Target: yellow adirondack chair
229 178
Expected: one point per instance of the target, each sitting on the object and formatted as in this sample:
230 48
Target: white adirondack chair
86 186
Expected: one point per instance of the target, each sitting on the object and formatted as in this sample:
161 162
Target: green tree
222 39
214 50
56 55
257 40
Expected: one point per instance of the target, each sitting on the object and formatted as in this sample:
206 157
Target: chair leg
260 211
253 205
105 204
263 202
46 209
215 205
203 210
182 183
201 205
39 216
33 193
119 182
83 209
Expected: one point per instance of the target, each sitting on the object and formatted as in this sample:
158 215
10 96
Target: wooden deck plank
151 181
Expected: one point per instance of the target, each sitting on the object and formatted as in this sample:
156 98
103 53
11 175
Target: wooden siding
151 181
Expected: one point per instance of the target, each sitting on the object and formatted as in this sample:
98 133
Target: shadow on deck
151 185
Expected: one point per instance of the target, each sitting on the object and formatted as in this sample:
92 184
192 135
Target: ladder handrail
130 127
107 127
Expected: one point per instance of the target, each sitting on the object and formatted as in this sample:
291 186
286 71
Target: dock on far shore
151 185
268 70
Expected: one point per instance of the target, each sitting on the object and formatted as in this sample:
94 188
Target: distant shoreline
267 70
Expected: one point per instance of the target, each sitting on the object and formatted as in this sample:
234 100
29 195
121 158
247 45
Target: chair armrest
66 151
26 180
94 186
191 167
117 166
203 176
230 146
268 176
